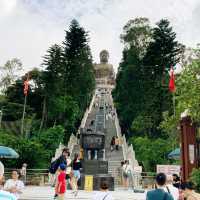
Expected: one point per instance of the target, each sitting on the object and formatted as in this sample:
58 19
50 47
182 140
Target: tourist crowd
65 173
172 189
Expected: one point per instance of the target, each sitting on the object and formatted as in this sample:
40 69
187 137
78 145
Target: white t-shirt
126 168
69 168
6 195
12 183
173 191
102 196
1 169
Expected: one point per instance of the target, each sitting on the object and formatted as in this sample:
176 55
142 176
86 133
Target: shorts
67 176
77 174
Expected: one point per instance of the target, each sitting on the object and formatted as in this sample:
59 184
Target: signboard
88 183
168 169
191 153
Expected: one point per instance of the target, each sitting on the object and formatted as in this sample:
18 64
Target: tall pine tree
163 52
79 73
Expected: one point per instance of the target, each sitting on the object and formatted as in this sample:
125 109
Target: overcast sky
29 27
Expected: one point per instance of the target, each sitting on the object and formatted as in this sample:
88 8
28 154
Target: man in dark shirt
159 193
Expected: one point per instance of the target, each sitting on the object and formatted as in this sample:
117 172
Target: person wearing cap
159 193
188 191
60 188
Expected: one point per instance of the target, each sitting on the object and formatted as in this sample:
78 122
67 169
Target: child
60 188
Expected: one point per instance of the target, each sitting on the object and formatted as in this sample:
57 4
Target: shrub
195 178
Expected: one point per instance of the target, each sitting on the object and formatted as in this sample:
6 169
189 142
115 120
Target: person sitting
188 191
14 185
159 193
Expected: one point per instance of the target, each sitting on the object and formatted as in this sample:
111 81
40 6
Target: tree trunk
43 114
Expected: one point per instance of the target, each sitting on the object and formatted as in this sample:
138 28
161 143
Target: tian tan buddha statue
104 71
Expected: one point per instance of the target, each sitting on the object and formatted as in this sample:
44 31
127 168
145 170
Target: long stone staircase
112 127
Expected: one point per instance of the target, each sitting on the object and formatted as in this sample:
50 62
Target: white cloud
7 6
29 27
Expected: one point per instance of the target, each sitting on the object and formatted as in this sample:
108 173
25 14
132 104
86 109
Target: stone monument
104 72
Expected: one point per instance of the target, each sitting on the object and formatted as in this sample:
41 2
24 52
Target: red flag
172 87
26 87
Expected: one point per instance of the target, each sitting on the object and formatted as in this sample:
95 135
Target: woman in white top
103 194
14 185
126 173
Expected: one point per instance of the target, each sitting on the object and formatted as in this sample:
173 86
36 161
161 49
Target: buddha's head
104 56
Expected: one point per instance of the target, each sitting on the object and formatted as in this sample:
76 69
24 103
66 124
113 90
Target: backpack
53 166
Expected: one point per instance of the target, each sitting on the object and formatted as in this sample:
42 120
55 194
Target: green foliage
137 34
79 74
141 93
36 151
9 72
187 97
57 99
195 178
142 124
151 152
30 152
188 90
50 139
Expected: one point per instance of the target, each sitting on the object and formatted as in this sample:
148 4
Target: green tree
137 35
50 139
187 96
151 152
79 73
53 81
30 152
128 94
9 72
162 53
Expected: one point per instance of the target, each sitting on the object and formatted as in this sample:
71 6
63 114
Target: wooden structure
189 153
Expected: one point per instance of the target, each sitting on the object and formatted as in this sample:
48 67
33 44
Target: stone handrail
72 141
88 110
128 152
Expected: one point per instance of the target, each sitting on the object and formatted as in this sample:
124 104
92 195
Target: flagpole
23 116
174 104
26 86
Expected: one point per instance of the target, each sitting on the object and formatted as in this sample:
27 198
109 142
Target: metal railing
38 177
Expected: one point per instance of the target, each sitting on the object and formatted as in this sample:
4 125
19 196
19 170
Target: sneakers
76 193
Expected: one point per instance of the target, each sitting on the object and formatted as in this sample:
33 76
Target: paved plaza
46 193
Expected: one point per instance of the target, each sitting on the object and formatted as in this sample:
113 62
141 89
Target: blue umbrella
6 152
175 154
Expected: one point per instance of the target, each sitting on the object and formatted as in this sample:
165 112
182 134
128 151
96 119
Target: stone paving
46 193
